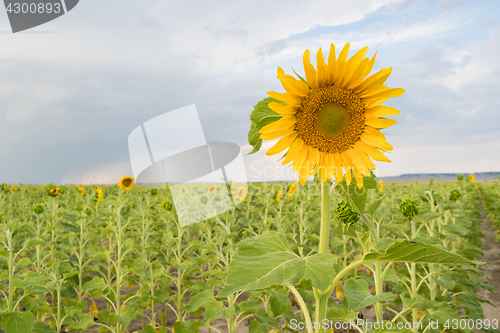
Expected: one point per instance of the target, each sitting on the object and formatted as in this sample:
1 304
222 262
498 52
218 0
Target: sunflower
98 195
21 190
331 119
13 189
278 196
471 178
126 183
241 194
81 190
380 185
4 186
54 191
212 189
293 188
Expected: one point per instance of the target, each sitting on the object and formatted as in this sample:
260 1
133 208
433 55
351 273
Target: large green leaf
261 116
408 251
355 196
17 322
359 297
267 260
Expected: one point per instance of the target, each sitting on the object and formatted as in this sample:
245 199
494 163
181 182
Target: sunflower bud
409 209
167 205
460 177
38 209
454 195
345 213
154 191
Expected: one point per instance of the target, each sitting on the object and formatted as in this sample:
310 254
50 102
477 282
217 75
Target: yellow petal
331 63
381 111
284 122
309 70
300 157
341 63
314 157
358 174
346 164
291 100
292 85
323 76
294 148
382 97
337 171
276 134
94 309
380 123
376 154
358 162
352 64
373 80
281 109
282 144
375 141
357 75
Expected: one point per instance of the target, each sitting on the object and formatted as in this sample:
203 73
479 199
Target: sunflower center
126 182
331 119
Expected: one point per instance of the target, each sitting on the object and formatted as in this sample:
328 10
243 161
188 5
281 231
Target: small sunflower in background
21 190
460 176
241 193
126 183
380 185
13 189
4 186
54 192
98 195
212 189
292 189
81 190
471 178
278 196
331 119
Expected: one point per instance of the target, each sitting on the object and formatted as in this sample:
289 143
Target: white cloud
104 174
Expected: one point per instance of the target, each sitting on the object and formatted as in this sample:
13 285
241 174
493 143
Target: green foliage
345 214
261 116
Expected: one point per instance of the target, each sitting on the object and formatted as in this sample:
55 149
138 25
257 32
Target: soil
491 249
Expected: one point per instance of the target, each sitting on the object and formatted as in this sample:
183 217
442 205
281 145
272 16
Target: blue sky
72 90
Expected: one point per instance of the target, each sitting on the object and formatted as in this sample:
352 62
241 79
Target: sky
72 90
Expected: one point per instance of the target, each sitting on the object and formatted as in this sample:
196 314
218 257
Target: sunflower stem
324 239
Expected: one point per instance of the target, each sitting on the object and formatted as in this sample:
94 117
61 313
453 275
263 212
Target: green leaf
420 304
343 315
261 116
408 251
42 328
372 208
83 324
267 260
17 322
199 300
95 284
147 329
358 296
354 196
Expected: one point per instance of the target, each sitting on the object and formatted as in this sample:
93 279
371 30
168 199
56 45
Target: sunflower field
105 259
340 253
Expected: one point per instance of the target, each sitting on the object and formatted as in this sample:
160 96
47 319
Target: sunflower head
167 205
409 209
470 178
380 185
98 195
278 196
126 183
55 191
454 195
241 193
4 186
154 191
293 187
13 189
329 121
460 176
212 189
81 190
345 214
38 209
